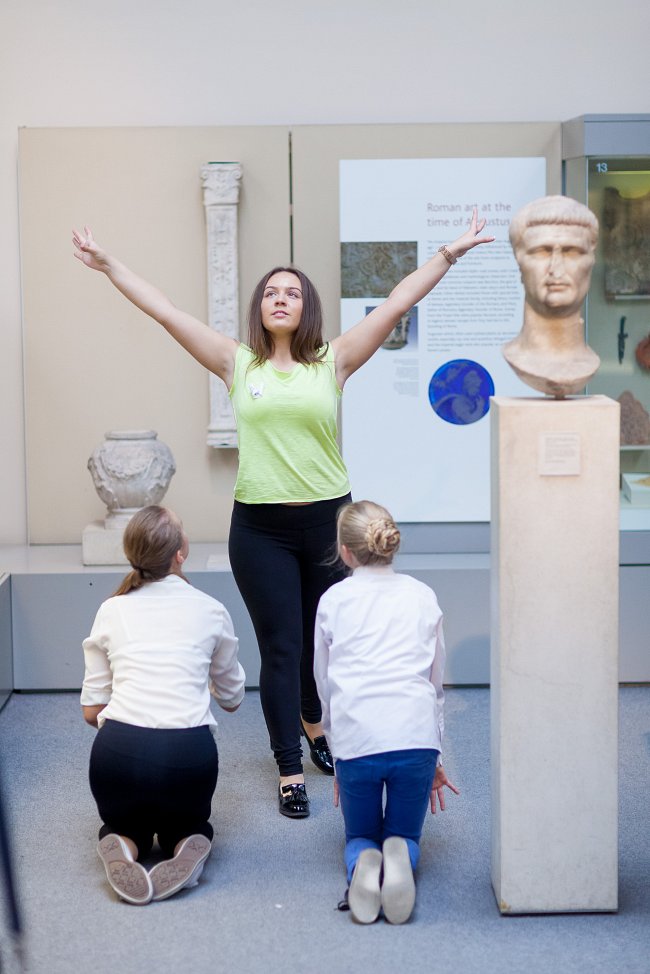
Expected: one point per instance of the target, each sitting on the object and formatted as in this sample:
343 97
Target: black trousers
278 554
150 782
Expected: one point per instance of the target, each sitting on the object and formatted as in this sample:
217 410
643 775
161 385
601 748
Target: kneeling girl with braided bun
379 663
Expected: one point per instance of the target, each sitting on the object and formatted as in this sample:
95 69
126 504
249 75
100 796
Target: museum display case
607 166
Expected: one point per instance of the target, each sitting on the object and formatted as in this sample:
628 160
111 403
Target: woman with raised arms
284 384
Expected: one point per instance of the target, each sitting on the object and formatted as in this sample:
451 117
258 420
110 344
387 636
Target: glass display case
607 166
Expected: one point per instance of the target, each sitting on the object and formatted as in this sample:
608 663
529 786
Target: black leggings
278 554
150 782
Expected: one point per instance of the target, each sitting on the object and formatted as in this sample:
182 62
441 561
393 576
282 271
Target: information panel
415 428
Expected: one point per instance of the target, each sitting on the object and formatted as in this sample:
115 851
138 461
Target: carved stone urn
130 470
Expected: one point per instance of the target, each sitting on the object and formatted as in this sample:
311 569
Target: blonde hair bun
382 537
369 532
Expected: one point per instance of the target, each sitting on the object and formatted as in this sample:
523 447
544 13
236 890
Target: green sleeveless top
286 426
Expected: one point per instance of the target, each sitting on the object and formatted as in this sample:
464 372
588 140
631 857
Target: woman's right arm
209 347
97 686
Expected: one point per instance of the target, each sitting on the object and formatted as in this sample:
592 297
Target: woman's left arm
437 796
98 677
356 346
91 713
440 780
226 677
321 660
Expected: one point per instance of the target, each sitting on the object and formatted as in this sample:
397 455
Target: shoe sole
183 870
398 887
129 879
364 897
287 814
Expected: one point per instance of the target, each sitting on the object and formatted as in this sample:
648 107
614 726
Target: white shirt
379 661
155 655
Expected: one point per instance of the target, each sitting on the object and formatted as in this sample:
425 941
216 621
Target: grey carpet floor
267 898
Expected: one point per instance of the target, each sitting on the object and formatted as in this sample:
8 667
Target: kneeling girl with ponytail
158 650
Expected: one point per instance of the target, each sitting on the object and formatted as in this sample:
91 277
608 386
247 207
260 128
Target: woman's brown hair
369 532
151 539
307 341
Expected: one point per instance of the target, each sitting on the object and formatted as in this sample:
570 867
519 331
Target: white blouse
379 661
155 655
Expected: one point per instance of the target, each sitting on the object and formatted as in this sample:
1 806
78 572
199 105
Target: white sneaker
128 878
172 875
398 887
364 896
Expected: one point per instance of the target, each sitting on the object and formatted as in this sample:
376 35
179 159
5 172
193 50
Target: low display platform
48 600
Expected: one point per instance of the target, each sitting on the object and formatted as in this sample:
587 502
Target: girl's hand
87 251
336 793
471 237
440 781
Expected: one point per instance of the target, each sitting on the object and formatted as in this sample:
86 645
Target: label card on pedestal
559 454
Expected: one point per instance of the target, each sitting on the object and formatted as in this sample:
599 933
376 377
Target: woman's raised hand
471 237
209 347
87 251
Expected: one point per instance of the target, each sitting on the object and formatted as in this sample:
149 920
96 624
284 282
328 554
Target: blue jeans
407 777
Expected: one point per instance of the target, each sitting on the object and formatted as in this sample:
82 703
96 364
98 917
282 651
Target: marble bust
554 241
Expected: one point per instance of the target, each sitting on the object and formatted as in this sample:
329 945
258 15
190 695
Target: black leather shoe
293 801
320 752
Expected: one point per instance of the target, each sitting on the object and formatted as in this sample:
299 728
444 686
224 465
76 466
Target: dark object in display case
626 244
642 352
622 336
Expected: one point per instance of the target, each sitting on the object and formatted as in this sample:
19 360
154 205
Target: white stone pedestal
554 654
101 541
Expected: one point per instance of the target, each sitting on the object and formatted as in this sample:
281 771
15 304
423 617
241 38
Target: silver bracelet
447 254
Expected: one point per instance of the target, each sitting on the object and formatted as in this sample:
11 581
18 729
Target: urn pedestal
130 470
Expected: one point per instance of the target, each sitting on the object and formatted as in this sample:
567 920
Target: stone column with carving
221 198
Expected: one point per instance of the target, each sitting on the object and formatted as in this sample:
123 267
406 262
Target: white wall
205 62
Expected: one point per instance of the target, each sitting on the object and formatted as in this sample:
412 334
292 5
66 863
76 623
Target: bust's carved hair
369 531
552 210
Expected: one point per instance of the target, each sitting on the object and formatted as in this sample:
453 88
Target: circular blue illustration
460 390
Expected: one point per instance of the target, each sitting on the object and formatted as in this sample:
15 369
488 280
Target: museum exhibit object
607 166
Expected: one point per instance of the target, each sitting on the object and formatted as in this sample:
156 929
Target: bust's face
555 262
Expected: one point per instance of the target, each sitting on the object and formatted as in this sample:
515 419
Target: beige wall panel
317 149
92 361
